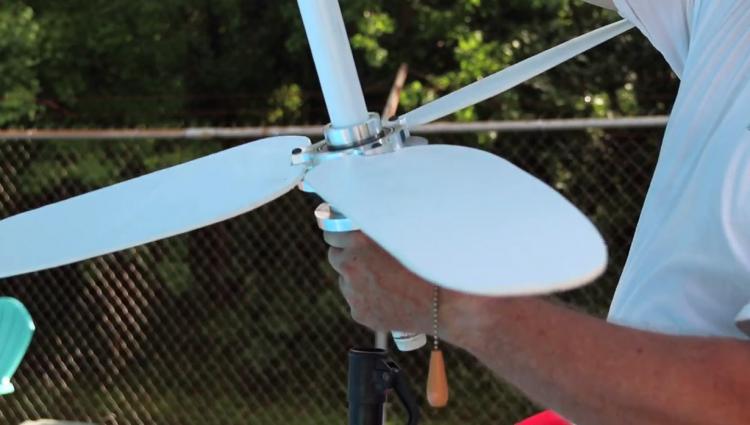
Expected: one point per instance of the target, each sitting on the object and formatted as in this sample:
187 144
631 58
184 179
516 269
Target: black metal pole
371 376
366 393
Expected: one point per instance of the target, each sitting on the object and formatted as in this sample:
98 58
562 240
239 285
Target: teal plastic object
16 329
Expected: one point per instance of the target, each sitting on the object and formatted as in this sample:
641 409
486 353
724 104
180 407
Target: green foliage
285 104
193 62
19 48
374 25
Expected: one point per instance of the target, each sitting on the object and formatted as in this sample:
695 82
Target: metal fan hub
361 139
338 138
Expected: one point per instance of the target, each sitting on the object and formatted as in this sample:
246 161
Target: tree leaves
19 50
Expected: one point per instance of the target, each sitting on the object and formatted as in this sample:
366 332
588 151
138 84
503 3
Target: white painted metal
333 58
155 206
465 219
513 75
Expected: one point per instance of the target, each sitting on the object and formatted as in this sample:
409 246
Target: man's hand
590 371
382 294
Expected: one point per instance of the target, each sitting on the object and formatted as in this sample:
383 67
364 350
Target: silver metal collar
384 140
356 135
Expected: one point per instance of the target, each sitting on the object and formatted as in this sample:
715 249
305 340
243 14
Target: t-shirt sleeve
667 24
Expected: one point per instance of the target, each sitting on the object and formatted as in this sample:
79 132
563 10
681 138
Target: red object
545 418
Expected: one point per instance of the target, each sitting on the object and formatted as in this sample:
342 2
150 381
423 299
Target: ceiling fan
459 217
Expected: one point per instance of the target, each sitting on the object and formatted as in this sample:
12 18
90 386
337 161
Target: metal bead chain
435 301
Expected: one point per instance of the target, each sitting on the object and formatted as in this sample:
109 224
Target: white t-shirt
688 271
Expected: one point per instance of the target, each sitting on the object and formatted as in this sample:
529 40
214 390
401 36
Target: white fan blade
151 207
465 219
512 76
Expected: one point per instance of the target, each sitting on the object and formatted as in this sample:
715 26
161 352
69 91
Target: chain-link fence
240 323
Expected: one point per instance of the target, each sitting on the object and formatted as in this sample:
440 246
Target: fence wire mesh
240 322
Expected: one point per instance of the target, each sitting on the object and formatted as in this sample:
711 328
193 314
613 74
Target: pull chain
437 379
435 302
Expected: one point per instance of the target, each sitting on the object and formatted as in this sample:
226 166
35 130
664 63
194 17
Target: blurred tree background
188 330
96 63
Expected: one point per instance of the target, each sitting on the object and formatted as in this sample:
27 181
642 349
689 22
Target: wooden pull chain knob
437 380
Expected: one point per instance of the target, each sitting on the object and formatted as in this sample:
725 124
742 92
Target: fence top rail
317 130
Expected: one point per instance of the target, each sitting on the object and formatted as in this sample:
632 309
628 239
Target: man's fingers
344 239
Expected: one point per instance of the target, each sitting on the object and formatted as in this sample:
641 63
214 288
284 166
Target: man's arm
607 4
590 371
598 373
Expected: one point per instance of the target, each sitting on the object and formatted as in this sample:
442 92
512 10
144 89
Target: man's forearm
597 373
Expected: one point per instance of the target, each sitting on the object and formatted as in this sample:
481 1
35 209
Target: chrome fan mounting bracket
372 137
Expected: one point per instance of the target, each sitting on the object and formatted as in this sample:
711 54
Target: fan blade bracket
373 137
338 142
